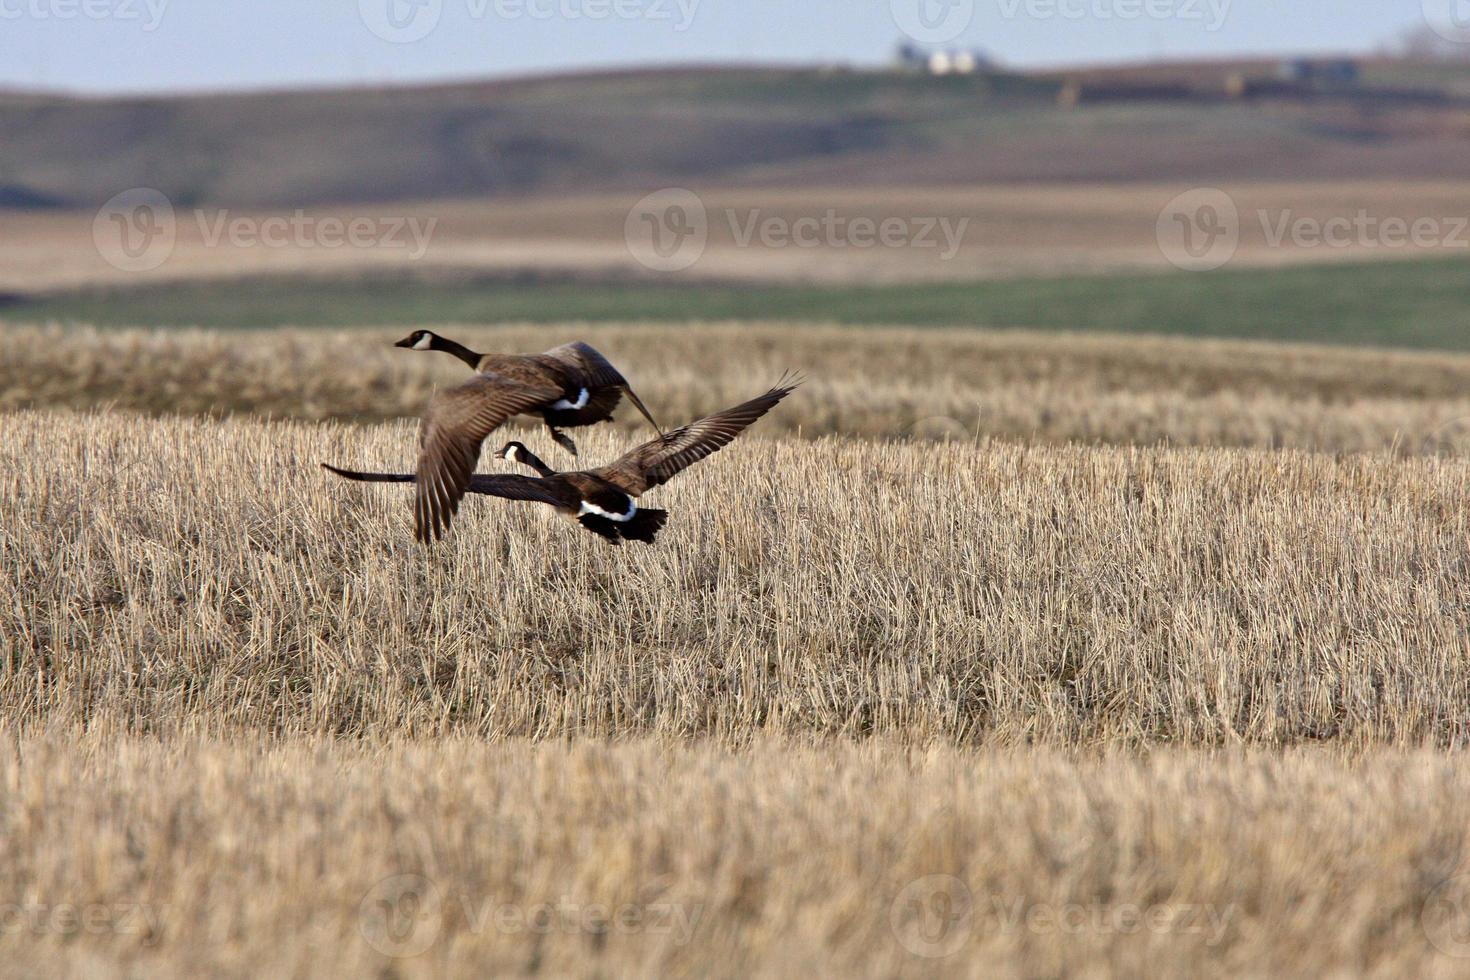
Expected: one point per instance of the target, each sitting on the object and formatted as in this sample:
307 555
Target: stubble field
1158 661
1024 387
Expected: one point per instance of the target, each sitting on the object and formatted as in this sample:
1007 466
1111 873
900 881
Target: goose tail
645 525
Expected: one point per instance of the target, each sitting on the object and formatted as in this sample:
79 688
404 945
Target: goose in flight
586 386
602 500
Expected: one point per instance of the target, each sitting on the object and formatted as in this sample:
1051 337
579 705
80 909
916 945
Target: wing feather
596 371
505 485
592 368
458 420
512 486
660 460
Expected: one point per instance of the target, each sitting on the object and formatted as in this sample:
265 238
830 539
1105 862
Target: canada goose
587 386
601 500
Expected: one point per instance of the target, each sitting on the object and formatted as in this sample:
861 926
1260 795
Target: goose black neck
458 350
524 455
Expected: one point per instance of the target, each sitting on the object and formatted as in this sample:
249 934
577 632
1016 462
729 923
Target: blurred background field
1406 305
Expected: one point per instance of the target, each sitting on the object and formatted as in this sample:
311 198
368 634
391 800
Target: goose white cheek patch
423 342
620 518
565 405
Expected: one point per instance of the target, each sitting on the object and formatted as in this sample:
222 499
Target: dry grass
455 858
876 383
1149 711
193 575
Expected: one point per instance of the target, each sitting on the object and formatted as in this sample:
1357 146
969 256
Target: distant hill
625 130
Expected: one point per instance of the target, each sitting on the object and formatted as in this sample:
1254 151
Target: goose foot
563 440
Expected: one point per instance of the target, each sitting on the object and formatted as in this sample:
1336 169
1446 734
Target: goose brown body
588 388
603 500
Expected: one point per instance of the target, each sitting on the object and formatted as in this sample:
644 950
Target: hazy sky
170 45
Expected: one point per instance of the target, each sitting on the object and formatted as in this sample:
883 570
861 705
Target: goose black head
419 340
517 453
510 451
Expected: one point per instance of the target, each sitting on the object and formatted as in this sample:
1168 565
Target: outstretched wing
368 477
511 486
660 460
458 420
597 371
506 485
